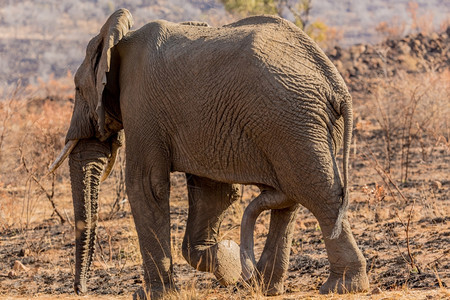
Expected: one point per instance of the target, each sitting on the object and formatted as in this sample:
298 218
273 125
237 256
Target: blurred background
42 40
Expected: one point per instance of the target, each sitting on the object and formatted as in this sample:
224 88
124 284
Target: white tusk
63 155
111 161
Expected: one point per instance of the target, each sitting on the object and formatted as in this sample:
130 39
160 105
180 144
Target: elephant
253 102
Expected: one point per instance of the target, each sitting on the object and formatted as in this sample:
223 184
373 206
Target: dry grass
193 294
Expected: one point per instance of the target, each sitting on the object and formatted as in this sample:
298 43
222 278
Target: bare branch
50 194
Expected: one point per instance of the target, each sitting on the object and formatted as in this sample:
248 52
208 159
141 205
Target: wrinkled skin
253 102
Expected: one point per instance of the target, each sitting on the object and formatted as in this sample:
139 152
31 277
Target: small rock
24 252
12 274
434 36
436 185
18 266
376 291
333 53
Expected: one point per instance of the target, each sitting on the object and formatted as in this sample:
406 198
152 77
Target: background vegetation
44 38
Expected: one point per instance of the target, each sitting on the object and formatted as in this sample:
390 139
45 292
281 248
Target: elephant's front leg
208 201
148 192
274 261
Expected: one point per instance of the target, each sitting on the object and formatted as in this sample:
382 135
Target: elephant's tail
347 113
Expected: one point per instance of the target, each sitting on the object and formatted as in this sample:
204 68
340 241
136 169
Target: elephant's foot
271 284
228 264
264 285
346 282
273 288
248 268
142 294
155 292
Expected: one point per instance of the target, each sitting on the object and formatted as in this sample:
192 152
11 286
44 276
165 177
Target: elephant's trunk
248 263
86 163
268 199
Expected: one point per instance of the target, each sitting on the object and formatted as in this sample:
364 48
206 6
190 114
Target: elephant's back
269 42
297 69
285 49
274 50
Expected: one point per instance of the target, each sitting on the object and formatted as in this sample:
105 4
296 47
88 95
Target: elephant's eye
78 91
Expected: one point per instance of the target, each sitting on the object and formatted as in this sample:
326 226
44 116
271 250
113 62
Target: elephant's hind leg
347 264
208 201
274 260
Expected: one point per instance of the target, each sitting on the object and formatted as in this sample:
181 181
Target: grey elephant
253 102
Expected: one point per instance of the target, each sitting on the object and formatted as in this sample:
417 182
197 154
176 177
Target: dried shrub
32 133
411 112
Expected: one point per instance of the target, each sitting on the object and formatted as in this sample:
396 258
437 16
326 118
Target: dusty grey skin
253 102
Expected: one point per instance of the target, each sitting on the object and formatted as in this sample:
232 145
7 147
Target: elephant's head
94 135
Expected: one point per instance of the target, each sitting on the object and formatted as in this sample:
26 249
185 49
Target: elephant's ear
115 28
